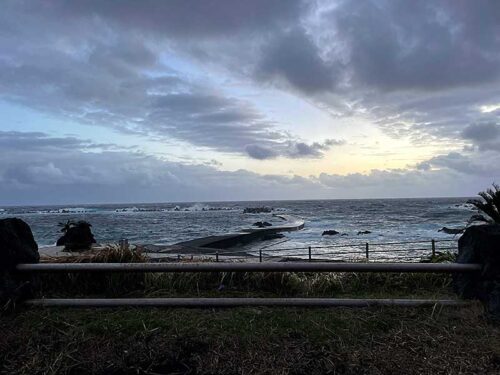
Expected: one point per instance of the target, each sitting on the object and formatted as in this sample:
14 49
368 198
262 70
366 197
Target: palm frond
479 218
65 226
489 206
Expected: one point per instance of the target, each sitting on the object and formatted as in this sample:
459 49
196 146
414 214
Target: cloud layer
38 169
420 71
109 76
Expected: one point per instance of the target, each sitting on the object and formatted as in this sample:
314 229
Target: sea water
387 220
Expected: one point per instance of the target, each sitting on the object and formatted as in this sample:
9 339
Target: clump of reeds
440 257
109 284
285 284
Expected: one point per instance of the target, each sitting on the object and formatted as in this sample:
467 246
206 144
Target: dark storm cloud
484 135
292 149
459 163
420 69
37 141
367 52
260 153
120 82
482 132
419 44
294 58
188 18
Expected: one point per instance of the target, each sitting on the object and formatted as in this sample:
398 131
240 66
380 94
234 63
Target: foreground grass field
250 340
439 340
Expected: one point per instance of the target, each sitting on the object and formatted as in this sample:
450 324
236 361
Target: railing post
217 256
260 255
366 251
310 255
433 248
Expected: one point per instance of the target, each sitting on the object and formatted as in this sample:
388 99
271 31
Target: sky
184 100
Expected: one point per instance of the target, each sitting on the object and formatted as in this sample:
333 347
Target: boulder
364 232
77 237
17 245
330 233
480 244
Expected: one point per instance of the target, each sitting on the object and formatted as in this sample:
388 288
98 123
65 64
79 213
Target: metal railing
249 267
245 267
362 251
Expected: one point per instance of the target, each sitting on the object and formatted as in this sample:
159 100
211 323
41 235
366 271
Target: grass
226 284
251 340
374 340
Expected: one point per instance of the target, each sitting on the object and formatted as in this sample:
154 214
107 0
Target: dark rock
262 224
364 232
77 237
344 234
480 244
17 245
330 233
451 230
257 210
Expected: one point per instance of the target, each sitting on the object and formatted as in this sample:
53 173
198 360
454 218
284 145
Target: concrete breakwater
208 245
200 246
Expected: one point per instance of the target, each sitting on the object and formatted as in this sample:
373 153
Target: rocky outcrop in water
262 224
257 210
17 245
364 232
77 236
480 244
330 233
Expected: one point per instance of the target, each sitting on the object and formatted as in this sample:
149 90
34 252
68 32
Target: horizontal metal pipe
235 302
249 267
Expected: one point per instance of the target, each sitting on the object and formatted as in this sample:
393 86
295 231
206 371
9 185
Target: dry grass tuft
108 254
107 284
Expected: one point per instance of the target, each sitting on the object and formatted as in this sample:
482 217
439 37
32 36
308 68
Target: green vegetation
231 284
439 340
489 206
65 227
250 340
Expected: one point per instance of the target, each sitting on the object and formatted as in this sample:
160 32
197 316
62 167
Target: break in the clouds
353 94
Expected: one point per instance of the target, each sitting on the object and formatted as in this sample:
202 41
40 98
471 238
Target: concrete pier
210 244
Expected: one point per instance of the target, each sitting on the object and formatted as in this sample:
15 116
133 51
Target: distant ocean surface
163 224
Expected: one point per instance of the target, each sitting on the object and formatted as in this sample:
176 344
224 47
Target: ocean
387 220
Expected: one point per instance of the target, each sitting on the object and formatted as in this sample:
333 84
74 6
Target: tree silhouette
489 206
